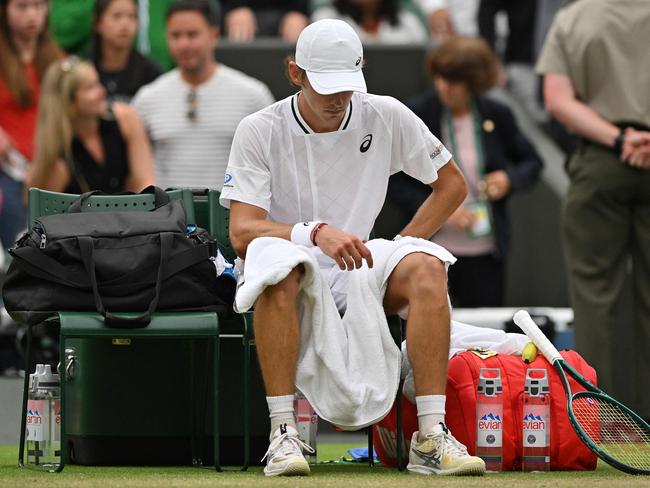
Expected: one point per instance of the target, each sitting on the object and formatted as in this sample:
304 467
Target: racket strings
614 431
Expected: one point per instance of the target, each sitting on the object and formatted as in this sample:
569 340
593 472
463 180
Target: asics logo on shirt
365 143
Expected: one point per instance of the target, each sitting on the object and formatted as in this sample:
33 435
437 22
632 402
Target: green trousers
606 226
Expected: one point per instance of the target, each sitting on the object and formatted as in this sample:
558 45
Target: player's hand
497 184
346 249
241 24
292 25
461 219
5 144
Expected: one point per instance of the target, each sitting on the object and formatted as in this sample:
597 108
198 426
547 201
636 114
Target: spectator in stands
382 21
191 113
121 68
26 50
82 143
596 77
519 53
73 25
495 157
246 19
451 17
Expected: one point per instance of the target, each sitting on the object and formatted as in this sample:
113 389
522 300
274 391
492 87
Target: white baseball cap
331 54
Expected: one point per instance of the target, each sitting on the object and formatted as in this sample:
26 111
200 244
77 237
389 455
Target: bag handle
160 197
87 249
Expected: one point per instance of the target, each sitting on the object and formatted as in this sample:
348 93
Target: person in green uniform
596 67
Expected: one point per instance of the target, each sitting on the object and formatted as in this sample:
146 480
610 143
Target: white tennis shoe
285 454
440 453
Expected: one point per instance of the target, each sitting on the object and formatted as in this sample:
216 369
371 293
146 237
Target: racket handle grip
530 328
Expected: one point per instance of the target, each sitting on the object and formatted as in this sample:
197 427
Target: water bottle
307 423
536 426
489 418
43 435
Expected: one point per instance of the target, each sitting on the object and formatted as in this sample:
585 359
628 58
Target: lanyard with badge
480 208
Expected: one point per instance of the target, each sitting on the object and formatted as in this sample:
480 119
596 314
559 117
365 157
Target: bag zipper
41 232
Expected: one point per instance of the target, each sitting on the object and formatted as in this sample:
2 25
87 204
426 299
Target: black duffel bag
133 261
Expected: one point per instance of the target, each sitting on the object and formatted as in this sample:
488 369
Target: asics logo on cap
358 61
365 144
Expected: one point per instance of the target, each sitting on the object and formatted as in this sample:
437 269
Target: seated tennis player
313 169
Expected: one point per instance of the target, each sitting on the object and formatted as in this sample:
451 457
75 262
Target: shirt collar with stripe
303 128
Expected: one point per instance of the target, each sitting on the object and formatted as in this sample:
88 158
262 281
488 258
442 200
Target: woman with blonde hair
26 51
83 144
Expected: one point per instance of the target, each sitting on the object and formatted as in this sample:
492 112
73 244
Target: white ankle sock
431 412
281 411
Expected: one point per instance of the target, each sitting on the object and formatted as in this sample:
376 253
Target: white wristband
301 233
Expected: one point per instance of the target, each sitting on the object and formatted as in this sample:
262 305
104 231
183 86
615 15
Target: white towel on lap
348 368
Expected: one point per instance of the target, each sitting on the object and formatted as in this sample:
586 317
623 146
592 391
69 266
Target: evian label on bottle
307 421
38 420
535 426
489 430
56 436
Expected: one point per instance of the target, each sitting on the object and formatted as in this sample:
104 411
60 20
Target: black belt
633 125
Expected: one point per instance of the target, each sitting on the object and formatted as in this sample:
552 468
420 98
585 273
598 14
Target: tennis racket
612 431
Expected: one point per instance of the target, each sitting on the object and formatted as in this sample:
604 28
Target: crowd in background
115 95
86 136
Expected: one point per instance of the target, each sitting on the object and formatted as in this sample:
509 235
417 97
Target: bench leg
23 416
247 388
215 396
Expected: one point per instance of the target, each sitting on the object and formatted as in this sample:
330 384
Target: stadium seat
86 325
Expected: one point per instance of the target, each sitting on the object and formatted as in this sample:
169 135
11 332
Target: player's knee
428 280
283 294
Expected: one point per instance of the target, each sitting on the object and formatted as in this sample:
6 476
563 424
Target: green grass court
323 475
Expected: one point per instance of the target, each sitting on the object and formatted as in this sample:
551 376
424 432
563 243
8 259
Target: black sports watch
618 143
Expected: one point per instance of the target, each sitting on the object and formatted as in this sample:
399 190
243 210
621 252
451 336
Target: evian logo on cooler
34 416
534 422
490 421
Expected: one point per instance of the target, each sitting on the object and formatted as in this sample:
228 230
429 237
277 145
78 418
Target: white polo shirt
279 164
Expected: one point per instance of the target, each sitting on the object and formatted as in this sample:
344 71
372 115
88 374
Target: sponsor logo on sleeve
227 181
436 152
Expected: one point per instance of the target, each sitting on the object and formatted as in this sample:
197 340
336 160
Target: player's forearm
449 191
242 233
